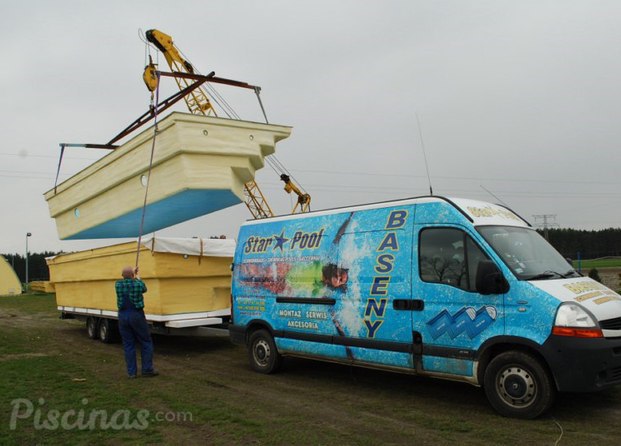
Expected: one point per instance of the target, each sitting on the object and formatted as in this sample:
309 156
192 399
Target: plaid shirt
131 288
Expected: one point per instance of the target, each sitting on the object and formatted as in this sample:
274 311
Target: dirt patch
14 356
611 277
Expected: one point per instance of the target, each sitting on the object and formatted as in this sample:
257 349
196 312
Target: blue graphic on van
467 319
333 274
439 324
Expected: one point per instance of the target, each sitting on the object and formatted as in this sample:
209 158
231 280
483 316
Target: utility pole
28 234
546 221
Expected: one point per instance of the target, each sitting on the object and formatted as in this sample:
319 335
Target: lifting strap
64 145
257 91
60 160
146 189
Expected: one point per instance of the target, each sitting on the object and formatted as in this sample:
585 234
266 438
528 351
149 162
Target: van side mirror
489 279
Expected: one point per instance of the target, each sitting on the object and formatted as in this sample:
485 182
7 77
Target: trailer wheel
92 328
262 352
517 385
108 331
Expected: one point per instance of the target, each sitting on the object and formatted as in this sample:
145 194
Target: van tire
92 327
262 352
517 385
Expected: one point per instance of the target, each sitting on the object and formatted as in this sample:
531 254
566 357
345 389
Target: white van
450 288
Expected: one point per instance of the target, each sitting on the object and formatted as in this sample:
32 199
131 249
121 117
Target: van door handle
408 304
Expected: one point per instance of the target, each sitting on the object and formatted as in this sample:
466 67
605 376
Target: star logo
280 240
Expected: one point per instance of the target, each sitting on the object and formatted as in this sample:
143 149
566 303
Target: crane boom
197 101
199 104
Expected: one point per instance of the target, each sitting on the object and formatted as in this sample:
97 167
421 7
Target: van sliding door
373 322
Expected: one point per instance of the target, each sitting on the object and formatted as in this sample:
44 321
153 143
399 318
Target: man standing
132 322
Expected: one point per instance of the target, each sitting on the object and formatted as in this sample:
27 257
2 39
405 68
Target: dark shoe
132 376
150 374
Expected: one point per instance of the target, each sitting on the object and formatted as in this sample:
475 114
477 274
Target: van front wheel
263 355
517 385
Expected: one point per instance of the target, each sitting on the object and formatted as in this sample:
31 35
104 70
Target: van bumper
583 365
237 334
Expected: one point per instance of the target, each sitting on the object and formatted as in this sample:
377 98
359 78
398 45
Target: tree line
586 244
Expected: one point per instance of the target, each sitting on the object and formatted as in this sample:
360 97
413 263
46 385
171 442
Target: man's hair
128 272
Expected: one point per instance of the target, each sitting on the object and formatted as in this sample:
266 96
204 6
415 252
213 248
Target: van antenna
422 143
497 198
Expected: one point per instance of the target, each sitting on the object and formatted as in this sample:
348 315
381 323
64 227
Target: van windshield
527 253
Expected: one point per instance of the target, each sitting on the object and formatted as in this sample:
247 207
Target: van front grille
614 374
611 324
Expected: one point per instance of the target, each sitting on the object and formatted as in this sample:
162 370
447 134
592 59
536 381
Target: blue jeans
134 328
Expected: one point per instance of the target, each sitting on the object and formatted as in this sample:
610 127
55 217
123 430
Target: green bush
594 274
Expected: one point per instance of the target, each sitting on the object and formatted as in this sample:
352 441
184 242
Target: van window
450 256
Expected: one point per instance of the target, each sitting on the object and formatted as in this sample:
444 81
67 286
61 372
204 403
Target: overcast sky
521 98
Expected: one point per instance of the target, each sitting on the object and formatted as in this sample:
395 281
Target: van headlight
573 319
571 314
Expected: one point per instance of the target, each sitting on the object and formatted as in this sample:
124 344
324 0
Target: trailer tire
518 385
92 327
108 331
262 352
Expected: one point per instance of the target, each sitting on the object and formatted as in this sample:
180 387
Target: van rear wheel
262 352
517 385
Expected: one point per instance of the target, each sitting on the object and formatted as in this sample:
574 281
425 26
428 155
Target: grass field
614 262
59 387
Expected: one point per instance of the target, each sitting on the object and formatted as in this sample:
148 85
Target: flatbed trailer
102 324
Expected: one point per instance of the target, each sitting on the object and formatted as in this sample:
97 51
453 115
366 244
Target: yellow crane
199 103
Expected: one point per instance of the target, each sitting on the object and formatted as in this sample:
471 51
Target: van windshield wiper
549 274
546 275
572 273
